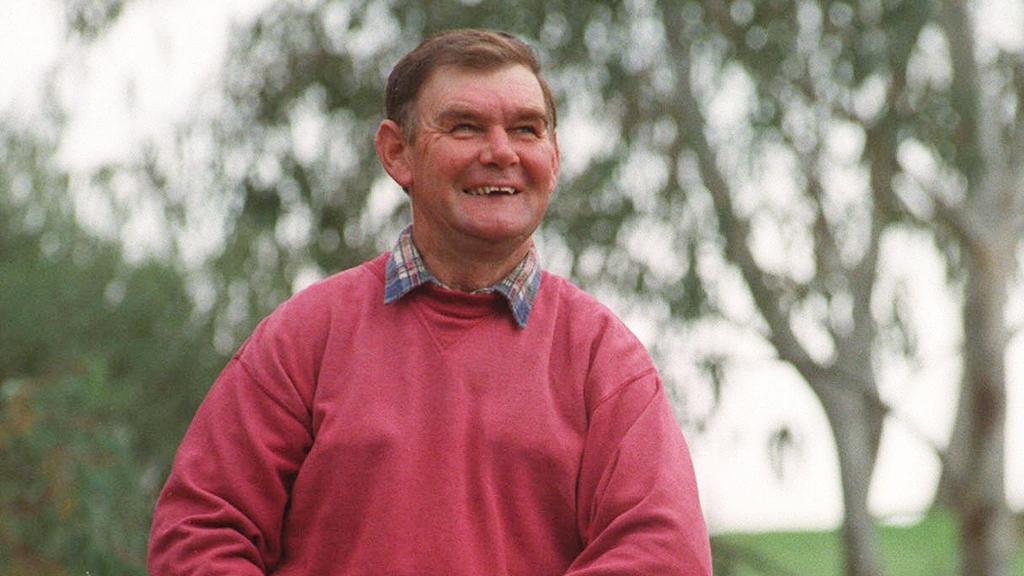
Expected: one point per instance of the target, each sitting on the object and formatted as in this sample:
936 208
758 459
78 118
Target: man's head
470 49
470 137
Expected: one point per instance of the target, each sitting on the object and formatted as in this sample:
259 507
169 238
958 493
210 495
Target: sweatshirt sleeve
638 509
222 507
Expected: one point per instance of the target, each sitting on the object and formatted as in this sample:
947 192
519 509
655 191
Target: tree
102 363
799 219
978 198
305 78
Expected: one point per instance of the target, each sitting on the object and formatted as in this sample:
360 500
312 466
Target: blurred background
810 211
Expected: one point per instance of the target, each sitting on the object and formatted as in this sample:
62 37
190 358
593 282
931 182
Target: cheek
543 168
451 162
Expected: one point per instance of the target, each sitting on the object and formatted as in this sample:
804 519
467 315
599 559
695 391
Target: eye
464 127
528 130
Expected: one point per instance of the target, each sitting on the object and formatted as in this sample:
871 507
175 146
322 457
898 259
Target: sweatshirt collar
406 270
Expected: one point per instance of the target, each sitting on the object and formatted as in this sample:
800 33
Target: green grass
928 548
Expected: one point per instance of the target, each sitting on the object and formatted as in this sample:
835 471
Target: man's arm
222 508
639 512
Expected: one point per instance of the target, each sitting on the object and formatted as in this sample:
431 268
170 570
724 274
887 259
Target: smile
488 190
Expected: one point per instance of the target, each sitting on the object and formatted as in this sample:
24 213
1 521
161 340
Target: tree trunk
954 463
856 423
985 522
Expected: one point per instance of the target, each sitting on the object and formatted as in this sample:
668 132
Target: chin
499 235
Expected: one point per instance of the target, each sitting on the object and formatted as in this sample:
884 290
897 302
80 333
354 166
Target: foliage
294 150
674 207
101 366
743 162
647 208
73 500
89 19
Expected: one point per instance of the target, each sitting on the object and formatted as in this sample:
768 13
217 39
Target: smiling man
447 408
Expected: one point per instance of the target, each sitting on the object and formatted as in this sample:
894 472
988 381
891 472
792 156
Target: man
447 408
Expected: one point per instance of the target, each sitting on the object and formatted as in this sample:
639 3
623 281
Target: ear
391 150
558 154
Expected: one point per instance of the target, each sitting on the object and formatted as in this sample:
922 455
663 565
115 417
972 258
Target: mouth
491 190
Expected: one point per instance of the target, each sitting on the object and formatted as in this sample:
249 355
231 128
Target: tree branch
882 145
959 28
1016 147
1017 81
854 384
828 257
734 228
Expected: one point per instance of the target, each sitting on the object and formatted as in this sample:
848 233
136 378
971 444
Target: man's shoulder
308 318
582 324
363 276
342 292
580 312
349 285
568 299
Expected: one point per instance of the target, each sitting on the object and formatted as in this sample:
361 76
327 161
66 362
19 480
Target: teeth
488 190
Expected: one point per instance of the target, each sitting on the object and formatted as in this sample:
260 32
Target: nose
498 149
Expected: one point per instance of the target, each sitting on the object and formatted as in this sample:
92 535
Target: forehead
510 89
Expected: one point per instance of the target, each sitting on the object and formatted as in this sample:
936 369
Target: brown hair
463 48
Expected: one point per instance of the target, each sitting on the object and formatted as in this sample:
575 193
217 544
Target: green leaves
90 18
102 363
72 492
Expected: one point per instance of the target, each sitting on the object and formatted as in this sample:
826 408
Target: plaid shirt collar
406 270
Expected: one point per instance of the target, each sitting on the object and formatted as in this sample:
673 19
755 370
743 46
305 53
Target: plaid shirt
406 270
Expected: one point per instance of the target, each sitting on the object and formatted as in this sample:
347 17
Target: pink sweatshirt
432 436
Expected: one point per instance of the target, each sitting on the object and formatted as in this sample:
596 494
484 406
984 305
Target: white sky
29 45
148 72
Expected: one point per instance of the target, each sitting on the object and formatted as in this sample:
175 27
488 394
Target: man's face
483 161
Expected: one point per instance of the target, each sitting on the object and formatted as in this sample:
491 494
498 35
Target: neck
469 270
